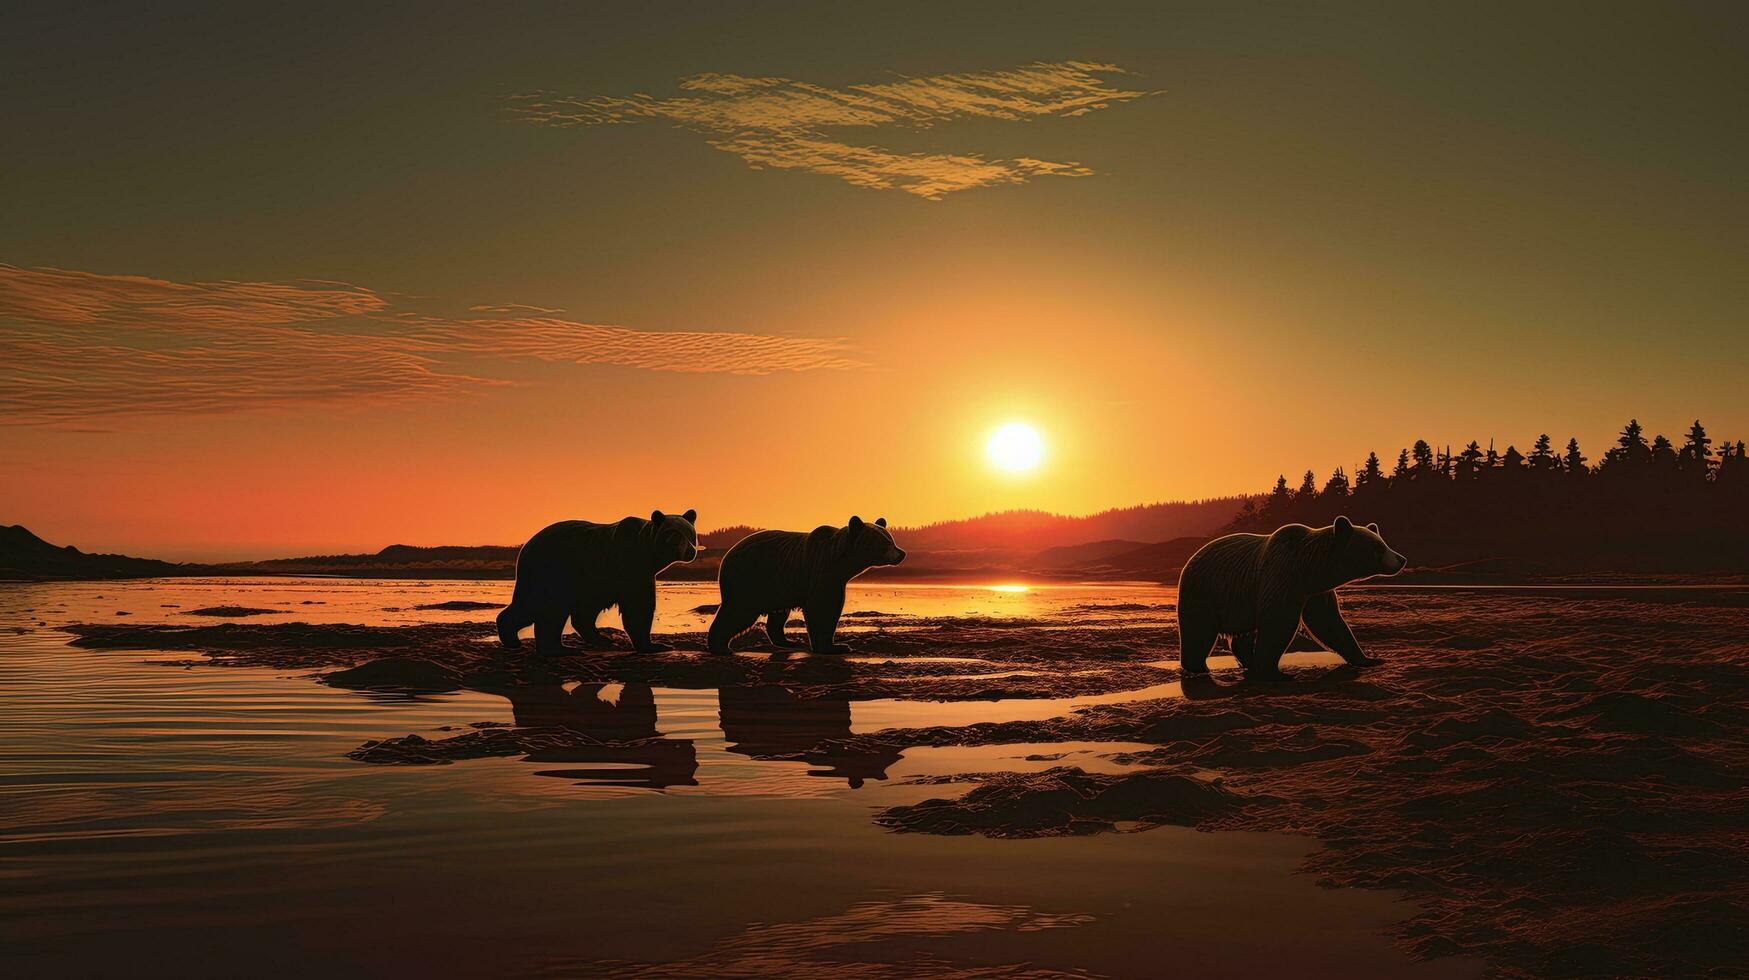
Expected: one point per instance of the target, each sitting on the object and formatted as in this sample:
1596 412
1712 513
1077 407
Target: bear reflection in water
769 722
622 717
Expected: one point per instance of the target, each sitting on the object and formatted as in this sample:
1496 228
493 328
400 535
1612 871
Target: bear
579 569
770 573
1257 589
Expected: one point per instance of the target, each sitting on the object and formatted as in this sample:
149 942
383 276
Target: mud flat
1559 779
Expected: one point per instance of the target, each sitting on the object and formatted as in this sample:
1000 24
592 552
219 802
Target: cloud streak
783 124
75 346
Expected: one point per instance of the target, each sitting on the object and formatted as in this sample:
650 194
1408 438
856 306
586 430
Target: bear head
672 537
1360 553
866 546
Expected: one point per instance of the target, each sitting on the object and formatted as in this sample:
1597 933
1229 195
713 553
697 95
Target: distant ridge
1030 545
397 561
1037 530
26 557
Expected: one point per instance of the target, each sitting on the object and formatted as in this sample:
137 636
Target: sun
1016 448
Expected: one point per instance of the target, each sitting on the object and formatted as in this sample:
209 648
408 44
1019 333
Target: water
205 821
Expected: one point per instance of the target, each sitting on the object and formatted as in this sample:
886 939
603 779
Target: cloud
781 123
76 346
514 308
69 297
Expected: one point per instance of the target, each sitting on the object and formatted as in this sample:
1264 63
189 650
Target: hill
1149 563
26 557
1028 531
396 561
1033 530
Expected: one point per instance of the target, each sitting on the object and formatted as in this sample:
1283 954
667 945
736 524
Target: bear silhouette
579 569
769 721
624 747
1257 589
771 573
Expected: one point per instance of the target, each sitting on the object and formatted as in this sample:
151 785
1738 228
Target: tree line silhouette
1644 506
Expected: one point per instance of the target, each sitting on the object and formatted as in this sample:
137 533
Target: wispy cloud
514 308
781 123
76 346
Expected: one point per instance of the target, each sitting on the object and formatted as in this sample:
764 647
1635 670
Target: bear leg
583 621
549 628
731 621
1323 618
1274 633
822 616
1243 644
637 618
1196 637
1275 630
637 613
775 621
512 621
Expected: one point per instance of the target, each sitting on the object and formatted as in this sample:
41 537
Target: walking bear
771 573
579 569
1258 588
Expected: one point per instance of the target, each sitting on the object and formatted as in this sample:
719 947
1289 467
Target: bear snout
895 556
1395 563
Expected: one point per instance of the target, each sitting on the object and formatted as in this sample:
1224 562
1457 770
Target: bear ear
656 517
881 521
691 516
1343 528
855 521
1374 528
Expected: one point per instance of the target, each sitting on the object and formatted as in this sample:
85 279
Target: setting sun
1016 448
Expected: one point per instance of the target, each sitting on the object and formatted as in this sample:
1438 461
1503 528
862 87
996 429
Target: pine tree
1469 461
1337 485
1541 458
1279 497
1513 461
1630 452
1732 465
1574 460
1308 488
1371 475
1663 455
1423 459
1697 450
1402 468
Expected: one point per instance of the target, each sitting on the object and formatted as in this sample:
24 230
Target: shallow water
191 820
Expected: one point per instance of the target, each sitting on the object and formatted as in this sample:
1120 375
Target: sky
312 278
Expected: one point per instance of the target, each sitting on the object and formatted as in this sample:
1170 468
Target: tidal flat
998 781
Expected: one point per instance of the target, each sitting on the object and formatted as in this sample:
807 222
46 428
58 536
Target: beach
997 781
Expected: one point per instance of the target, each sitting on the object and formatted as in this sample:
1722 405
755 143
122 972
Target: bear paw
655 647
833 648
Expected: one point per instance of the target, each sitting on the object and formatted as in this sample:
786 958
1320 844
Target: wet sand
1555 777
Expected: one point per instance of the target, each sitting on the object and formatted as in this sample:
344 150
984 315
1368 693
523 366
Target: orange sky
449 291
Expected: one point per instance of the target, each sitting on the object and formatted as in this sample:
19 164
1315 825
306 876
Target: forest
1647 505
